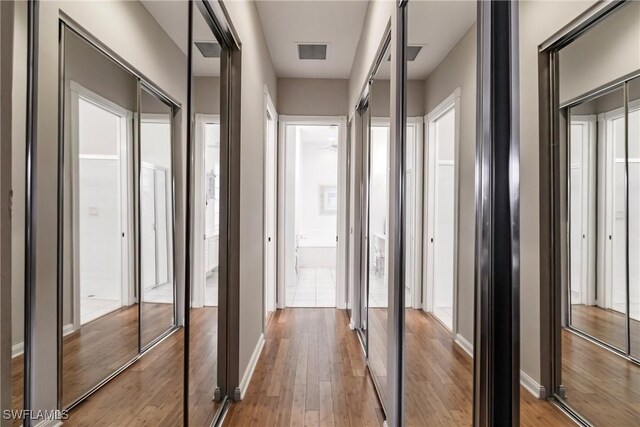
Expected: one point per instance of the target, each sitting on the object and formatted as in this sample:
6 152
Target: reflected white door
579 206
442 197
99 207
148 227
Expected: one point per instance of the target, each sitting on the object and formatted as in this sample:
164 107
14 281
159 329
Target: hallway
312 373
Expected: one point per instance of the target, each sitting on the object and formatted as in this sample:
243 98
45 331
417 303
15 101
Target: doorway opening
311 214
102 136
270 206
442 134
205 288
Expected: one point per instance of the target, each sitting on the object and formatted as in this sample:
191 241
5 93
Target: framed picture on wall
328 200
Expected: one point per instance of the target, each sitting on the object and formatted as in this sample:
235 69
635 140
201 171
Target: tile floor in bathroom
315 287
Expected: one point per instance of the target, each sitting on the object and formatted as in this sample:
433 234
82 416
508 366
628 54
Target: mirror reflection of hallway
311 214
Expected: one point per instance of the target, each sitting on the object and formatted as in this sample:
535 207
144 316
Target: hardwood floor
311 373
439 378
150 391
600 385
607 325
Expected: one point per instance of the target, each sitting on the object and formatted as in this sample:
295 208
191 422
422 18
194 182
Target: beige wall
18 159
206 95
380 105
378 16
6 65
257 71
539 20
313 97
608 51
458 70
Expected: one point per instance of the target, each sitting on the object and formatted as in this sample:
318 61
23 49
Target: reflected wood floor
439 378
607 325
600 385
150 391
17 385
311 373
103 345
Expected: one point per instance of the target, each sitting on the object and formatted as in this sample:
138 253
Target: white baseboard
352 325
532 386
248 373
17 350
67 329
464 344
525 380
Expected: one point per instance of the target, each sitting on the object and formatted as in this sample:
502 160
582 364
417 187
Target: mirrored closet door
118 294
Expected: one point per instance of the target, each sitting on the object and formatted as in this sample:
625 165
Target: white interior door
148 227
99 278
270 214
579 165
162 208
409 216
443 210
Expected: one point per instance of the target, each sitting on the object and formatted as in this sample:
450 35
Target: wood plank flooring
439 380
311 373
600 385
607 325
150 391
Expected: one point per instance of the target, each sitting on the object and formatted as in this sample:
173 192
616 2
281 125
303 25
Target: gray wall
257 71
313 97
458 70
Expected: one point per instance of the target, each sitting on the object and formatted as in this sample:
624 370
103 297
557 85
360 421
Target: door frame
199 274
270 297
125 178
418 174
286 265
450 102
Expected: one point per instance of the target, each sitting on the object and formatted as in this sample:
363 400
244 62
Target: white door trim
285 263
199 273
127 292
269 295
417 166
452 101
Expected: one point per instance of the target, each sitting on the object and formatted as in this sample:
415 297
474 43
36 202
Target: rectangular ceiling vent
412 53
312 51
209 49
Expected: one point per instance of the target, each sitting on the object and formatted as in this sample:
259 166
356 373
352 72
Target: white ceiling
172 17
338 23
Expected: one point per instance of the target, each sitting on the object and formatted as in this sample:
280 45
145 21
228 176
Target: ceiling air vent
412 53
312 51
209 49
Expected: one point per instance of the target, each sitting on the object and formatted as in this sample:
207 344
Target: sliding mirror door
205 394
99 296
378 224
157 284
598 342
440 148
